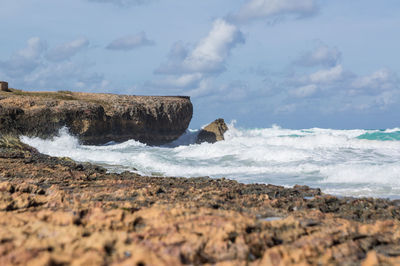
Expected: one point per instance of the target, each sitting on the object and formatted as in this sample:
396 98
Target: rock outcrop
213 132
54 211
95 118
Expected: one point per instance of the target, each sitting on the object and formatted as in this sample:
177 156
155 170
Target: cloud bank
25 60
37 66
66 50
334 89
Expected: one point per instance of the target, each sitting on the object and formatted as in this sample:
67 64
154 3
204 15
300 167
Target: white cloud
345 91
257 9
130 42
182 81
234 91
304 91
34 49
386 99
193 70
208 56
65 75
25 60
366 103
382 79
204 88
31 67
176 55
327 75
67 50
321 55
211 52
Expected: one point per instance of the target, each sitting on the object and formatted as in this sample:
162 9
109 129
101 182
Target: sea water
340 162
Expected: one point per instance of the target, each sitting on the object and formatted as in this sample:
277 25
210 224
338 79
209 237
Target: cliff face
95 118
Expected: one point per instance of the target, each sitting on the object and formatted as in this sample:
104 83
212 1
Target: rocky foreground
94 118
54 211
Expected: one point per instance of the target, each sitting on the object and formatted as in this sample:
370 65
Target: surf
342 162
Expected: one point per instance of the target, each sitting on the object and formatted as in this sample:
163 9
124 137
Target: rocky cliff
95 118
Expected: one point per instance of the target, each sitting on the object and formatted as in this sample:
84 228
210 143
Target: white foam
391 130
335 160
359 173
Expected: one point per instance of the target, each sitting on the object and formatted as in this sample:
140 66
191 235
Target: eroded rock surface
54 211
95 118
213 132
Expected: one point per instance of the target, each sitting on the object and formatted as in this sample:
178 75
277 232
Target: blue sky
295 63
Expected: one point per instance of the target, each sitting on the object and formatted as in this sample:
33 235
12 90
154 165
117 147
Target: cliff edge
94 117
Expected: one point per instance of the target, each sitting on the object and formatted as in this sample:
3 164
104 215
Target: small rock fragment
213 132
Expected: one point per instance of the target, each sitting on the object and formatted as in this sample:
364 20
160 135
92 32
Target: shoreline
109 169
55 210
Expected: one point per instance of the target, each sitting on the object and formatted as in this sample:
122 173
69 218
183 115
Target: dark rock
95 118
213 132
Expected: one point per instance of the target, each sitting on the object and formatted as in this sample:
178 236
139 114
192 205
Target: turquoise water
381 135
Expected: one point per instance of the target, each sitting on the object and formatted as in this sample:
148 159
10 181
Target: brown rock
95 118
65 213
213 132
4 86
371 259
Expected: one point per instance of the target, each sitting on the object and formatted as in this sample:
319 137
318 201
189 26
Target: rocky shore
54 211
94 117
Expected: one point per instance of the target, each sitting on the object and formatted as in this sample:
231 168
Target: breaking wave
341 162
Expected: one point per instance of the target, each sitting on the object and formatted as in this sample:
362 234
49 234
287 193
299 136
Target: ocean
340 162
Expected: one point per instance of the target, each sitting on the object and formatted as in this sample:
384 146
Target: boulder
213 132
4 86
95 118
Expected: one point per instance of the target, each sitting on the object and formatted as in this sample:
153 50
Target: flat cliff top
57 211
27 99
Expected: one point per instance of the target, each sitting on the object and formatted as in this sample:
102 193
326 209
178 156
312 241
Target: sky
292 63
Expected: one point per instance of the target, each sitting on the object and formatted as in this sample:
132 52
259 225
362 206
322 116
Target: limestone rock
55 211
4 86
213 132
95 118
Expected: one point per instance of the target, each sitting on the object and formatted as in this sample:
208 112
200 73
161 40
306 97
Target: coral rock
54 211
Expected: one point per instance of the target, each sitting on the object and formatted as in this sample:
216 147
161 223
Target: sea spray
341 162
